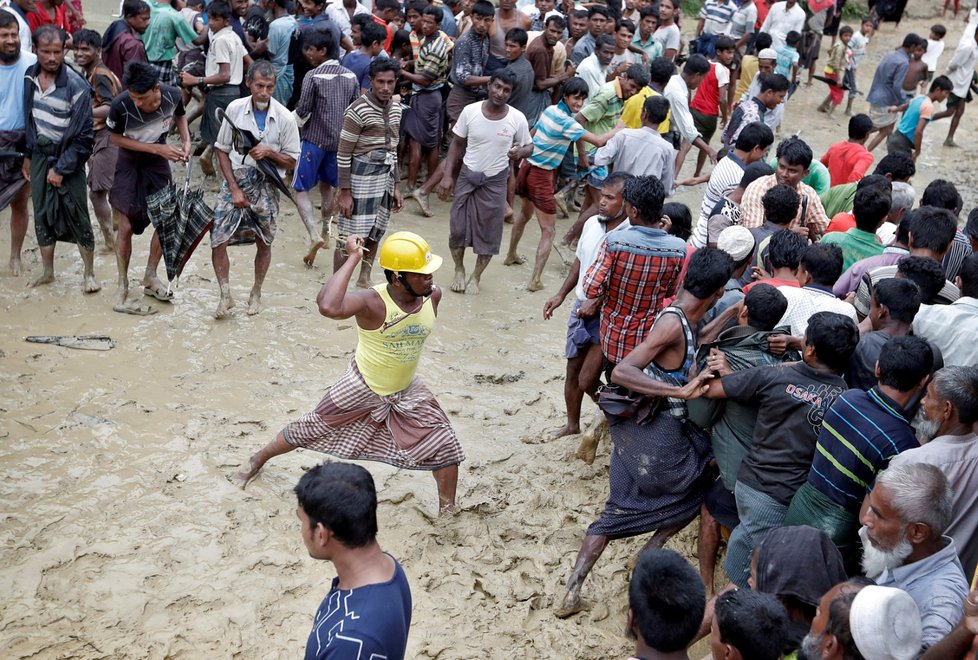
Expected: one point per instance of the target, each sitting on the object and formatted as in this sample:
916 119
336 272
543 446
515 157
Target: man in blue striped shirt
861 432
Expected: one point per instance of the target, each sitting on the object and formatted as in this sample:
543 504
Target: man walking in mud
380 410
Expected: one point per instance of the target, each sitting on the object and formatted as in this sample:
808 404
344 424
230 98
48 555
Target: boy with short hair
855 54
935 47
910 130
787 62
834 71
642 41
711 98
371 38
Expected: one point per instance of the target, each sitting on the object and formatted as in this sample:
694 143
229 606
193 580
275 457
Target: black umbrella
244 141
181 219
832 83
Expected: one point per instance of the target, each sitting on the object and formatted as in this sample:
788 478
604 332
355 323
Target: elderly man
904 544
945 426
59 142
247 205
14 187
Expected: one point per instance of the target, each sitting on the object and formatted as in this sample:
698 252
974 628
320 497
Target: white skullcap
885 624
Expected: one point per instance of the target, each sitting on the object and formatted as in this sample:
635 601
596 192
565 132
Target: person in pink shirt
849 161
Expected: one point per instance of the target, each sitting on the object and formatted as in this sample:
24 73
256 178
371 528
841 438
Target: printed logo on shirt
818 397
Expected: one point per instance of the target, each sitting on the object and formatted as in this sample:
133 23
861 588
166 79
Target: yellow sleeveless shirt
388 356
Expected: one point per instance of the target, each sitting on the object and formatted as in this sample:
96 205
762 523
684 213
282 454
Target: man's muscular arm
667 332
335 303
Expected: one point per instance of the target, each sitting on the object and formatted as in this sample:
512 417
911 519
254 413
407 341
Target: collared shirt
327 91
640 152
432 61
847 162
677 93
592 235
861 432
583 48
124 48
938 587
752 210
555 130
636 269
165 26
803 302
62 114
591 72
631 114
225 48
957 458
746 113
469 58
339 15
716 15
887 87
856 244
849 281
364 130
962 65
956 254
780 21
725 177
540 54
603 110
651 47
947 295
280 132
953 328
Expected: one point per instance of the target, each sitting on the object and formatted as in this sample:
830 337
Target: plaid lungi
407 429
372 181
236 226
166 72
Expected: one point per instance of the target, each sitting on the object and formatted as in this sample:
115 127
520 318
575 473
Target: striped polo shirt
861 432
51 111
555 130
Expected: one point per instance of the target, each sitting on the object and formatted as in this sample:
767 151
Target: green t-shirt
165 25
603 110
856 244
818 178
839 199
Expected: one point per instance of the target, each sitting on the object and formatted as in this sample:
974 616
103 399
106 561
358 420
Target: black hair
383 65
765 306
942 194
785 249
435 12
7 19
661 69
877 180
931 228
603 41
216 9
597 9
834 338
681 219
926 273
901 297
969 276
46 33
324 40
725 43
939 30
372 33
943 83
517 35
774 82
384 5
823 261
656 109
363 20
899 166
638 74
913 41
504 75
342 498
645 12
837 624
761 41
696 65
579 13
870 207
575 87
846 29
667 599
792 38
140 77
795 151
132 8
860 126
753 622
971 228
753 172
556 20
86 36
904 362
709 271
646 194
400 39
753 135
625 23
483 8
780 204
617 177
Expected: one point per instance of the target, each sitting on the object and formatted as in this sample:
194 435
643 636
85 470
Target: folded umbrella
831 82
181 219
244 141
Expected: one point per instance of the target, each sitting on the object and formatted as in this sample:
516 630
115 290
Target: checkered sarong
167 73
407 429
372 188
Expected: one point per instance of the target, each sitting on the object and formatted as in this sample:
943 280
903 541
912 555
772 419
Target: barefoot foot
458 282
314 248
472 287
514 260
534 285
45 277
254 302
15 266
363 282
570 605
90 284
566 430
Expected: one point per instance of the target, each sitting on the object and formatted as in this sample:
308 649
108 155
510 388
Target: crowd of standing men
793 363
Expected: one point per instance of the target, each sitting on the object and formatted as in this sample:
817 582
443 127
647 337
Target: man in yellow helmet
379 410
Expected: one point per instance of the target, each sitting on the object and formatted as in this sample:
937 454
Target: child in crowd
787 63
855 54
935 47
835 69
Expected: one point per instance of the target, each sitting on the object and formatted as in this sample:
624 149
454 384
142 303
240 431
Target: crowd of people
793 363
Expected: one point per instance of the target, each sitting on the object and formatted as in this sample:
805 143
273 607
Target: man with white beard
904 546
945 428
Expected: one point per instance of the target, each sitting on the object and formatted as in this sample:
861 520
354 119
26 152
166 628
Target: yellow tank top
388 356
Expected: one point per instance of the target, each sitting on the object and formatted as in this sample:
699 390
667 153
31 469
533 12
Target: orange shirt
847 162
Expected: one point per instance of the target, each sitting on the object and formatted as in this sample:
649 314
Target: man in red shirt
848 161
711 98
384 12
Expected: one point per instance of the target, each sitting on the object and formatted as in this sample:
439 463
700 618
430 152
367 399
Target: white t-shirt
803 303
489 140
226 48
668 36
780 21
592 235
934 50
743 21
628 57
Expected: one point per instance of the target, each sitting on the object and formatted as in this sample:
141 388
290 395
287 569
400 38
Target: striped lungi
759 513
372 188
407 429
166 72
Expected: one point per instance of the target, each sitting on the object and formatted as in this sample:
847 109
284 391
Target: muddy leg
590 550
249 471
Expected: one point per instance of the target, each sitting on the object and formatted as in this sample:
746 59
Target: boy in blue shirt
787 62
909 132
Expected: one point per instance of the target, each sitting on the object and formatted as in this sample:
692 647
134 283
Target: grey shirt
522 96
938 587
583 48
642 152
887 87
957 458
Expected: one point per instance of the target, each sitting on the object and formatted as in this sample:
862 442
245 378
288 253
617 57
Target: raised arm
333 300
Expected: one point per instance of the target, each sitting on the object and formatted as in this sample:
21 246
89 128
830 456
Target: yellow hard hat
406 252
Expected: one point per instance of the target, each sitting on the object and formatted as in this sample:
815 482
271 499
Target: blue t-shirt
556 129
908 123
366 622
359 64
787 58
12 92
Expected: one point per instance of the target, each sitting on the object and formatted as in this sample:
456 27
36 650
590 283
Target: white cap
737 241
767 54
885 624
